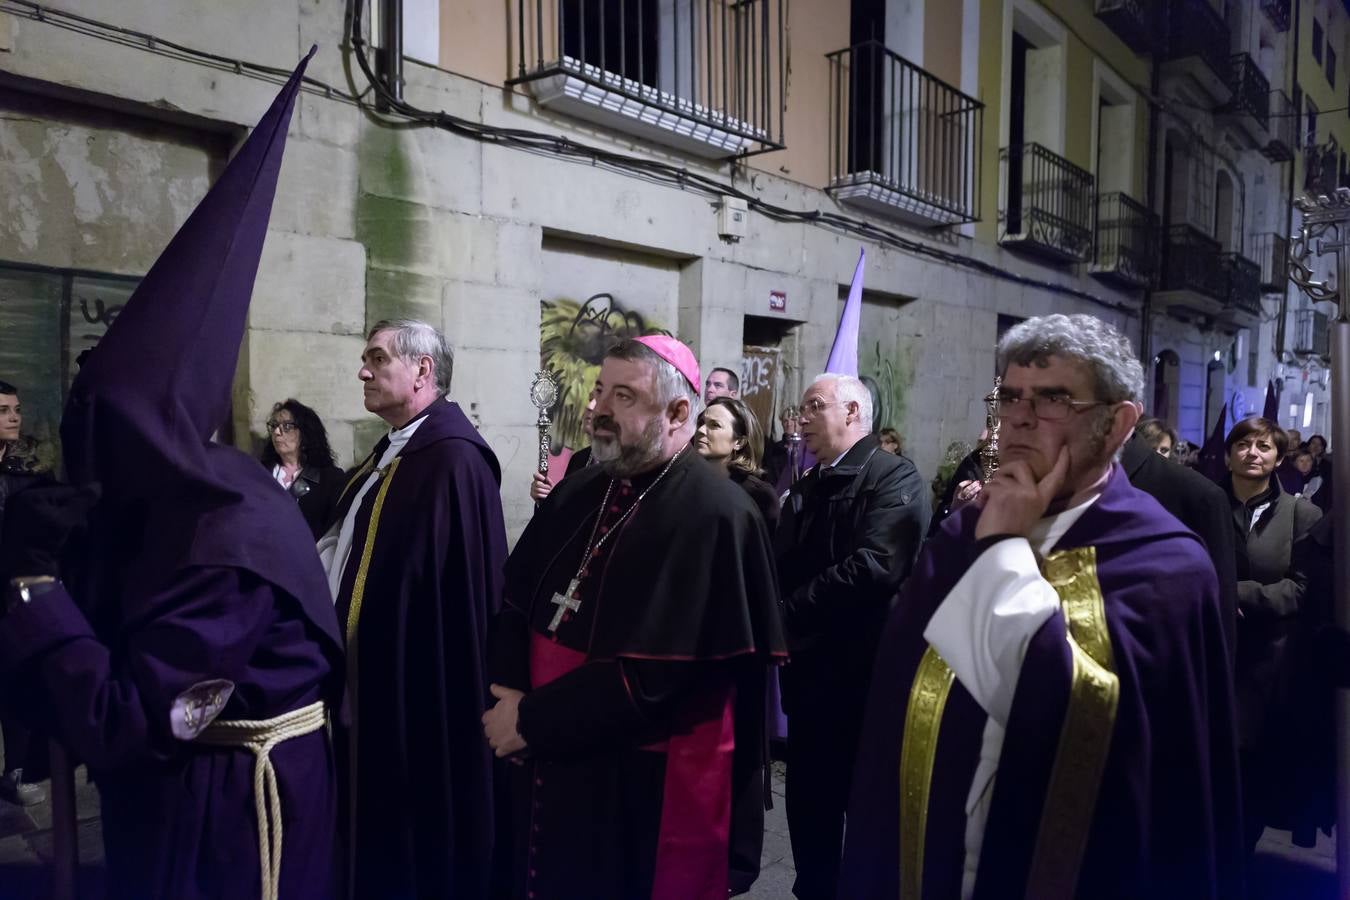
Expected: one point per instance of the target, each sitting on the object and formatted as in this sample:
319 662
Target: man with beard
1052 711
629 658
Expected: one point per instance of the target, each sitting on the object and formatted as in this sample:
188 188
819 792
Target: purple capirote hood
148 398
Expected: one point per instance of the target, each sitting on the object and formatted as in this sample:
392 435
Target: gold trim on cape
353 617
918 751
1085 736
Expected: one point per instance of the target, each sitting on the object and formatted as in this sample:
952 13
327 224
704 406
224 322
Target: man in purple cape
1052 712
414 560
192 651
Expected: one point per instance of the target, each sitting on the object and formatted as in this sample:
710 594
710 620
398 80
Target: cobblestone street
1281 871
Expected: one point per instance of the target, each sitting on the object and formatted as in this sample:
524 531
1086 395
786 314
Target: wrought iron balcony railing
1134 21
1242 284
1191 263
1251 89
1271 252
1127 241
903 142
1046 204
1283 128
1312 336
706 76
1194 28
1277 11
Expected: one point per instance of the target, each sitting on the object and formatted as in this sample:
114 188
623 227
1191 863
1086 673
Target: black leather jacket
848 537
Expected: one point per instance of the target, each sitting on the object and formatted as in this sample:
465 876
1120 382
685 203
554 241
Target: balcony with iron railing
1127 241
1283 128
704 76
1198 46
1271 252
1278 12
1046 204
1134 21
1312 335
1192 272
903 142
1249 108
1242 290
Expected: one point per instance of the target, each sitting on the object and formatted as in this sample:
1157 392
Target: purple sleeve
114 707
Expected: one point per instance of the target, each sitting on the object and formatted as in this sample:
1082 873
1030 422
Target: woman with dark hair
1269 521
301 461
1158 435
730 437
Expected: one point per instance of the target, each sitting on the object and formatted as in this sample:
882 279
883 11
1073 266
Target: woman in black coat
1271 594
730 437
299 458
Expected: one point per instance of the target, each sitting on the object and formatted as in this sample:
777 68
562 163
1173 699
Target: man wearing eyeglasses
849 533
1051 713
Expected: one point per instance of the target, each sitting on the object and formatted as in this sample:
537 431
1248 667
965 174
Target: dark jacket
316 490
1200 505
1270 595
848 536
969 469
760 491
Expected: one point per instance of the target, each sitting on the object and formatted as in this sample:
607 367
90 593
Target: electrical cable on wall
534 141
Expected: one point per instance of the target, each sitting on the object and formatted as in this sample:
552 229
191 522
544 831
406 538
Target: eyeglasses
286 427
816 406
1052 408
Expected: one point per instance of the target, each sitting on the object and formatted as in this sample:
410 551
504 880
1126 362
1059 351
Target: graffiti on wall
573 338
883 372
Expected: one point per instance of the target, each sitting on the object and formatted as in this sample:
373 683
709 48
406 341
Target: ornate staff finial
992 423
543 394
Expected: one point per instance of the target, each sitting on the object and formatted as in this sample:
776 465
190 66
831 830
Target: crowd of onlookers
1277 488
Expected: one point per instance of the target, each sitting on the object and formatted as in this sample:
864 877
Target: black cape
422 580
686 601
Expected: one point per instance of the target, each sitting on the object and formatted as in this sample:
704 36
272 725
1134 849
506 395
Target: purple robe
1166 817
195 581
178 817
415 613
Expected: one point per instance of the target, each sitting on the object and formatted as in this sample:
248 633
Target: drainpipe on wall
1289 199
390 60
1150 197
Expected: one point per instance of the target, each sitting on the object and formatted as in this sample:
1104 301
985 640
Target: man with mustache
1052 710
629 657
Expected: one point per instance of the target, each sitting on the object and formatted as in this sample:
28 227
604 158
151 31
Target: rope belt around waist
259 736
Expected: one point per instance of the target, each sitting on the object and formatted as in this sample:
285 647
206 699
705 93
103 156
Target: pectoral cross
565 602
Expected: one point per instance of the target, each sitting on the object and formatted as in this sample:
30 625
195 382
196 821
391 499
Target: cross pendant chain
568 601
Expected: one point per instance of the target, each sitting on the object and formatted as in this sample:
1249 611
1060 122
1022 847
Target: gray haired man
850 530
1051 711
414 561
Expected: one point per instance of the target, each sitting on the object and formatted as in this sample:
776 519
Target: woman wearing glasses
301 461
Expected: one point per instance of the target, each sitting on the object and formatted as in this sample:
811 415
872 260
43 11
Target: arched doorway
1166 386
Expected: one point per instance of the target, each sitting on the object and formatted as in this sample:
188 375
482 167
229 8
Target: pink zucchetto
675 353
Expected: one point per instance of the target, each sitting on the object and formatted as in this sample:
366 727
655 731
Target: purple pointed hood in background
1213 459
150 395
1271 409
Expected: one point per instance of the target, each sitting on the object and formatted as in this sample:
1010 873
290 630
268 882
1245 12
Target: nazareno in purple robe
415 613
1166 819
196 580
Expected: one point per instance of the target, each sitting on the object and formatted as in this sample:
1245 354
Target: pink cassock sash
692 846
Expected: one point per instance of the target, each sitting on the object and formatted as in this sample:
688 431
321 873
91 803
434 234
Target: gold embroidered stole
1085 736
1080 759
918 751
353 634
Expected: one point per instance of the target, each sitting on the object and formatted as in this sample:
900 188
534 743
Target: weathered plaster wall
373 221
